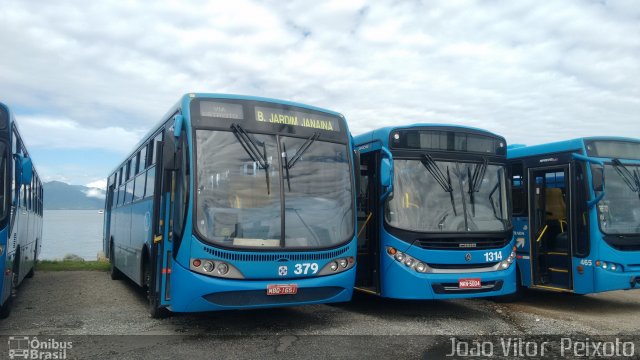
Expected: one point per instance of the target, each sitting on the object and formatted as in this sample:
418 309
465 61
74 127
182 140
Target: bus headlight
504 264
223 268
407 260
333 266
609 266
216 268
337 265
208 266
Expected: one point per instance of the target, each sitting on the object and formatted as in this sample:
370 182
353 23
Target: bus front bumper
606 280
193 292
404 284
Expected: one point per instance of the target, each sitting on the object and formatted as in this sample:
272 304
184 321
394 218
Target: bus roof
559 146
382 134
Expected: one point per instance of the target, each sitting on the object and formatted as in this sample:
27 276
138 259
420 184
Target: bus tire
113 270
155 310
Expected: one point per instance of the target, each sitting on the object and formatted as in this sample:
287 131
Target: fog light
421 267
223 268
343 263
334 266
399 256
208 266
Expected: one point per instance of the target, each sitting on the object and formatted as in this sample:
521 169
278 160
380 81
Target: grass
71 265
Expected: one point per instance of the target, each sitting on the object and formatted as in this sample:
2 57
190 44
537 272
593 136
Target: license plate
469 283
282 289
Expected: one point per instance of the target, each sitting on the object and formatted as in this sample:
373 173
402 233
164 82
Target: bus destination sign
297 118
221 110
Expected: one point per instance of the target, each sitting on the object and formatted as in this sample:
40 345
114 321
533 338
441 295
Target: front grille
260 297
458 244
254 257
462 266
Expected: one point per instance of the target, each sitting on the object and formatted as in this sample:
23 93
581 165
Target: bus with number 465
434 213
21 211
235 202
576 212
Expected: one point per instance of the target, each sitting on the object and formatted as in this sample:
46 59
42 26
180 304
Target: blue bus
576 213
235 202
434 213
20 211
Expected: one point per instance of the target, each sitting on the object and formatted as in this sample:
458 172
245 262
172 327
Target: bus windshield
446 196
619 210
242 180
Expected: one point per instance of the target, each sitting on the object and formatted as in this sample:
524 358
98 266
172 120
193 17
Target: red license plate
282 289
469 283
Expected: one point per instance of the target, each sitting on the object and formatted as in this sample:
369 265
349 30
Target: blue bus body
195 212
576 214
21 197
428 230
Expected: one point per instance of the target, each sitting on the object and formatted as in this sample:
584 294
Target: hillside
62 196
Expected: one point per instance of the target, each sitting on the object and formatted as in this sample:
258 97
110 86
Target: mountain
62 196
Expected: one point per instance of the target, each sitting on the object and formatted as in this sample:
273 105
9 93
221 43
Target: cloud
98 75
95 193
63 133
98 184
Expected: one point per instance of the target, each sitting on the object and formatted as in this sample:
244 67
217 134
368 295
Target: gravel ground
89 303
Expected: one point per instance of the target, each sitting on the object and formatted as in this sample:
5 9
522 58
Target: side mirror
386 173
178 120
27 170
597 178
169 153
356 171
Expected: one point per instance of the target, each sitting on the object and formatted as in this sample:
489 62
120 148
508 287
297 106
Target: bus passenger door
550 222
159 291
367 273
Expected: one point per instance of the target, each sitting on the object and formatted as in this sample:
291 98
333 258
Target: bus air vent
261 257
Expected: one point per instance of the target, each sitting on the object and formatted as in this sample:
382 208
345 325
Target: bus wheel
113 270
155 310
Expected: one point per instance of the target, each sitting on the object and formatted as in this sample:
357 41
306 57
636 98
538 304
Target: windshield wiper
253 150
288 164
475 181
433 169
631 179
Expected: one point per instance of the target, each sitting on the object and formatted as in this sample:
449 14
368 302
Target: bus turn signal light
391 251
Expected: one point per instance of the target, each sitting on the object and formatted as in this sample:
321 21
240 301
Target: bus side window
519 194
142 163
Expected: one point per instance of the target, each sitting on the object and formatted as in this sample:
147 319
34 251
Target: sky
87 79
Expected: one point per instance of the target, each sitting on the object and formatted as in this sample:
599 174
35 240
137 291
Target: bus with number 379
236 202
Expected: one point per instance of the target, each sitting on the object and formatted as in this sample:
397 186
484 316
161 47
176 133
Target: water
76 232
